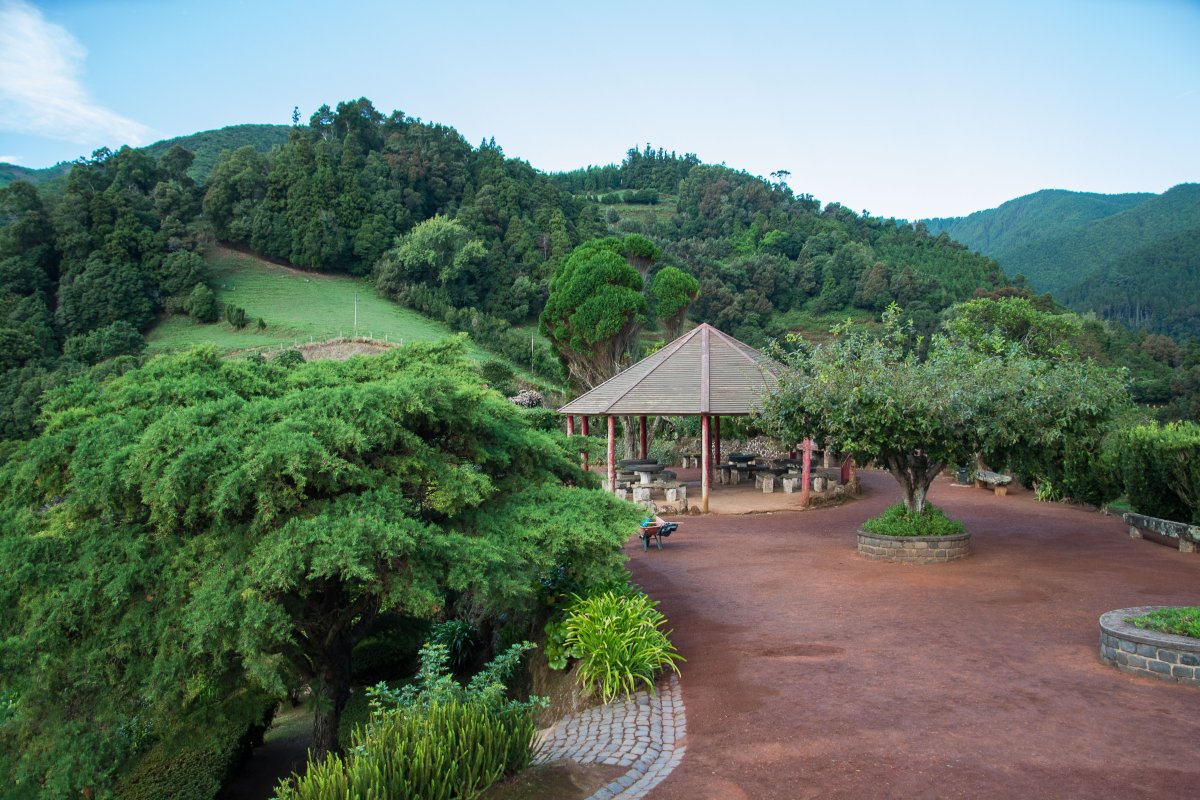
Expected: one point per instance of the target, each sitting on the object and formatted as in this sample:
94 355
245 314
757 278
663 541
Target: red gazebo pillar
706 465
612 454
716 440
806 474
642 434
571 425
584 424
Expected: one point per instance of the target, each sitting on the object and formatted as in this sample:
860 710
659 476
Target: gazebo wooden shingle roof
703 373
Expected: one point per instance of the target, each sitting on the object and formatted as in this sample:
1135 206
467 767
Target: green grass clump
449 750
897 521
1179 621
619 642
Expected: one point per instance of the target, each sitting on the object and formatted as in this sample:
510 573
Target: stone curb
644 733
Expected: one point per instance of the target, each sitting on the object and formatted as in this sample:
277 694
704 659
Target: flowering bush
527 399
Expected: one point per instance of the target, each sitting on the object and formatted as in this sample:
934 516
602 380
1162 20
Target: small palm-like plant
619 643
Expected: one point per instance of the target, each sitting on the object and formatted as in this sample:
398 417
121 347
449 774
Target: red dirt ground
812 672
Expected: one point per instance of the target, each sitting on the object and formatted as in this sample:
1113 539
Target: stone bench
994 481
689 460
1188 536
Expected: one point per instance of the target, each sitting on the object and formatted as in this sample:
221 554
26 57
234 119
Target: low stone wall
1142 652
914 549
1185 535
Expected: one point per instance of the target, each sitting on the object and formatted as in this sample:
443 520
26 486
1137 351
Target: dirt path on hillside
813 672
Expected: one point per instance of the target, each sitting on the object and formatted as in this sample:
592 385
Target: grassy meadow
297 307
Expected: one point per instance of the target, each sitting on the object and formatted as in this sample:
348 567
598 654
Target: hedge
1159 466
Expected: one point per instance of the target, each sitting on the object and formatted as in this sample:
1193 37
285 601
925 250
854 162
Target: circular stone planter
1142 652
914 549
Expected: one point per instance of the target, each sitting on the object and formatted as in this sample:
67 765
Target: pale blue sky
908 109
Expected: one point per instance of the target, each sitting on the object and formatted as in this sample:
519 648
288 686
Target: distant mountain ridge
1130 257
206 145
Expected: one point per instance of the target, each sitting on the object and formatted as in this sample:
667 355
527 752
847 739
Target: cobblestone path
644 733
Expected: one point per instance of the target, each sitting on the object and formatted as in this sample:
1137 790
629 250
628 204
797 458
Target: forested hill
207 146
769 259
998 231
1130 257
10 173
458 232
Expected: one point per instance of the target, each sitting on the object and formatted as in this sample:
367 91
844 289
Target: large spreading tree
880 399
200 525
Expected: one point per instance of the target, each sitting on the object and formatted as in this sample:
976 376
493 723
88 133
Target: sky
903 109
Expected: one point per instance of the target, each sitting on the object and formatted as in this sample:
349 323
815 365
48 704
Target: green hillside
1031 218
11 172
208 145
297 306
1130 257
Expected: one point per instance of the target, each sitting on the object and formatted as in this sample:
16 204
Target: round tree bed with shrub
928 537
1155 641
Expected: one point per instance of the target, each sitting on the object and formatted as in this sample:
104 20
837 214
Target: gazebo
703 373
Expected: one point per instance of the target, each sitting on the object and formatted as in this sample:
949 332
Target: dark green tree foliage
118 339
760 251
235 316
208 146
437 252
200 524
595 310
201 304
341 190
877 398
643 171
673 292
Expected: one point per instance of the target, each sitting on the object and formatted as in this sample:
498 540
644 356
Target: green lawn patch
1183 621
297 307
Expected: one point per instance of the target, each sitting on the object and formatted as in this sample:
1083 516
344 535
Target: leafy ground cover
898 521
297 307
1179 621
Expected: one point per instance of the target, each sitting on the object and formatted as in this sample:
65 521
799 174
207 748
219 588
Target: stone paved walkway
645 733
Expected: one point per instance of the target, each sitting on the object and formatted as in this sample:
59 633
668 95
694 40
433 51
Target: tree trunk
915 473
629 437
331 691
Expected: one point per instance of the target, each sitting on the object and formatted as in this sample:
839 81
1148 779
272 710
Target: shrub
117 339
527 398
201 305
193 761
457 636
236 316
289 358
391 650
618 641
898 521
1179 621
430 740
449 750
1160 470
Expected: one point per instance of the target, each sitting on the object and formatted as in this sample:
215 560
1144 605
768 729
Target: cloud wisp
40 88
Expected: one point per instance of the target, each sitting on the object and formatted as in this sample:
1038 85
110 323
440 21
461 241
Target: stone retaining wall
914 549
1142 652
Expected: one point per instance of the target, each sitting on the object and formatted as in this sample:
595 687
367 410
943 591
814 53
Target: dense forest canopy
1127 257
473 238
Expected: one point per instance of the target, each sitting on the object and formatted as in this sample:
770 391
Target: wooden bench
992 480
